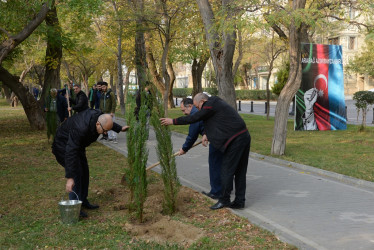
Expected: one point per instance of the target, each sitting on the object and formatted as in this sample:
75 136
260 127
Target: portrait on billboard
320 103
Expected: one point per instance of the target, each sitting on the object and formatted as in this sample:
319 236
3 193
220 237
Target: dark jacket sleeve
193 134
116 127
205 113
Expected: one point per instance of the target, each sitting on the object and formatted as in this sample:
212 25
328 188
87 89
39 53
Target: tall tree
53 53
119 55
11 41
363 63
191 47
140 52
265 51
222 43
296 32
164 21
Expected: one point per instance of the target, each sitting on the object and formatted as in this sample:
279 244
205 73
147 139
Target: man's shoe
235 205
219 205
90 206
213 196
205 193
115 141
83 214
210 195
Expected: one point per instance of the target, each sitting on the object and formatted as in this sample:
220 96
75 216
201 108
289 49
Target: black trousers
215 162
234 167
81 180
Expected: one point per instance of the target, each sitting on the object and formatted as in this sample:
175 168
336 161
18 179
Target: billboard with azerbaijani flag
320 103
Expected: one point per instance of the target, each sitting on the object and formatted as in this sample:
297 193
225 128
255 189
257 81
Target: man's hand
205 140
69 185
166 121
69 108
112 114
46 110
125 128
181 152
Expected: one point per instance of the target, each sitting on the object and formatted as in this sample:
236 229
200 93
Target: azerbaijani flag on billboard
320 101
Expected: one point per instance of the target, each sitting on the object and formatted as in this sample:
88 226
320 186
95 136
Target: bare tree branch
8 45
5 31
358 24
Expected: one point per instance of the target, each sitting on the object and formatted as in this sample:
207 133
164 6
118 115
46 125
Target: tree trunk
221 53
157 79
32 109
7 93
268 91
120 74
111 78
165 75
172 81
119 62
245 78
140 52
292 85
197 70
240 53
53 54
127 80
84 86
196 87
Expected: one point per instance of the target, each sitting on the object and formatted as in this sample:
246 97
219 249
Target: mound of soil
157 226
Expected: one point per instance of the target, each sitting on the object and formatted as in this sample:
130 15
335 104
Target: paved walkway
304 206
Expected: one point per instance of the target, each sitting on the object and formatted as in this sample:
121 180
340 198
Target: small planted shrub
167 160
363 100
136 176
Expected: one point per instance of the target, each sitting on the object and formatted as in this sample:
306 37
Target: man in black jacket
215 156
69 147
80 102
227 131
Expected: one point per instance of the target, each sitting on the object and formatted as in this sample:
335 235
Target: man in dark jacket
81 101
69 147
228 133
108 103
98 95
215 157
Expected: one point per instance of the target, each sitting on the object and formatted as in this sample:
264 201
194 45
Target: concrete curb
317 171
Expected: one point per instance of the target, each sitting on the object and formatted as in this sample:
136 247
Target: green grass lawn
347 152
32 183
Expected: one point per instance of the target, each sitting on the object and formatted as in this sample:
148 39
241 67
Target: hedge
244 94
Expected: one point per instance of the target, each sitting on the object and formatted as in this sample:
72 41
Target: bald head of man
199 100
104 123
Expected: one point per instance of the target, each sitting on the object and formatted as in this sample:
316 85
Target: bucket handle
75 194
62 198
